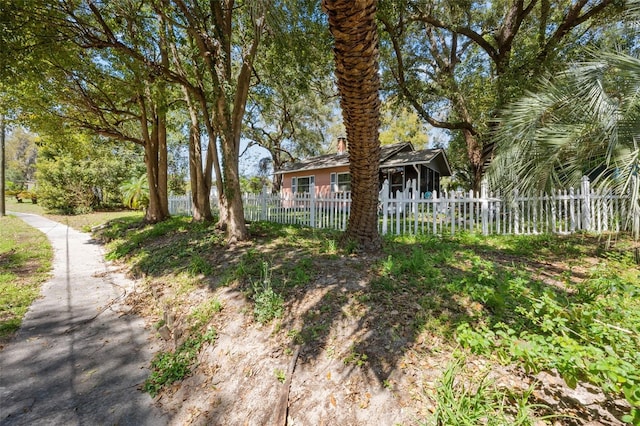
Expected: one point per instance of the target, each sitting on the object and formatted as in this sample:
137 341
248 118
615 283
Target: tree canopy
196 77
457 64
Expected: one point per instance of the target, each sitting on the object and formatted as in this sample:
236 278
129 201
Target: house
399 163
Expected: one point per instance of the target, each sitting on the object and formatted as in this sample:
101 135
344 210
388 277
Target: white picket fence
409 212
308 209
180 205
560 212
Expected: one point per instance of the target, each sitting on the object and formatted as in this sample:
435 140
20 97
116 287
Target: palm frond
583 121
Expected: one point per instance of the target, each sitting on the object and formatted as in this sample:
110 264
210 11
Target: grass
565 303
470 401
25 261
81 222
169 367
25 207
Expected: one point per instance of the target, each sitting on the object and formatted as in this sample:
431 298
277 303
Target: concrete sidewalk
79 358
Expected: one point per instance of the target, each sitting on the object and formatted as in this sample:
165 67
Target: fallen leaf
332 400
329 375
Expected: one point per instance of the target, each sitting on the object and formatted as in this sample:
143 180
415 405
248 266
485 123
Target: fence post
263 203
384 198
452 206
484 193
414 207
435 208
572 210
399 207
312 205
586 203
516 212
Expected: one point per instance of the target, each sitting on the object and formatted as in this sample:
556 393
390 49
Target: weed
478 402
280 375
169 367
295 336
331 351
588 337
300 274
355 357
314 331
268 303
250 266
350 247
383 284
388 266
203 313
331 247
198 265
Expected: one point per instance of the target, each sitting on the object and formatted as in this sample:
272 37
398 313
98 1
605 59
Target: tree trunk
200 180
155 157
3 210
276 184
474 154
199 187
163 164
155 212
234 210
353 26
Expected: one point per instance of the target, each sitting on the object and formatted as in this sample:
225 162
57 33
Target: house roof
336 160
395 155
423 156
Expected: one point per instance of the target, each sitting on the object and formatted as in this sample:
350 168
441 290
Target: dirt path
79 357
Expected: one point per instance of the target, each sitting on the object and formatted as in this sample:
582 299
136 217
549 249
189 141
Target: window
340 182
344 182
396 180
302 184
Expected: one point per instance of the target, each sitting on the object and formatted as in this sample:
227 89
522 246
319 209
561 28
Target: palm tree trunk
353 26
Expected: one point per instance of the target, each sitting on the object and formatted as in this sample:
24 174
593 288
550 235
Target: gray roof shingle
335 160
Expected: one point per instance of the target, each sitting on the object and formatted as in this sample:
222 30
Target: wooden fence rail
409 212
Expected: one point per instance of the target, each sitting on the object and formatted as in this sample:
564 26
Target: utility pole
3 210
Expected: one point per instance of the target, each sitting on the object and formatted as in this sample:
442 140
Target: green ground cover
564 303
81 222
25 261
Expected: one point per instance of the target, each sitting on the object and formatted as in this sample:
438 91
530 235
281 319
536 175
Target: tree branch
465 31
400 78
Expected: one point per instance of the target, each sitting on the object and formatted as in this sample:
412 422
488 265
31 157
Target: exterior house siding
398 164
322 179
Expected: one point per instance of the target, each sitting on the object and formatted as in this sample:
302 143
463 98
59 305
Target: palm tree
135 193
586 121
353 26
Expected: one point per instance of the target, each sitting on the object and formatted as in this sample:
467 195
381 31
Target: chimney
342 145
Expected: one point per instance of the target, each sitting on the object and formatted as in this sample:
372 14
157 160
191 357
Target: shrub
27 195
